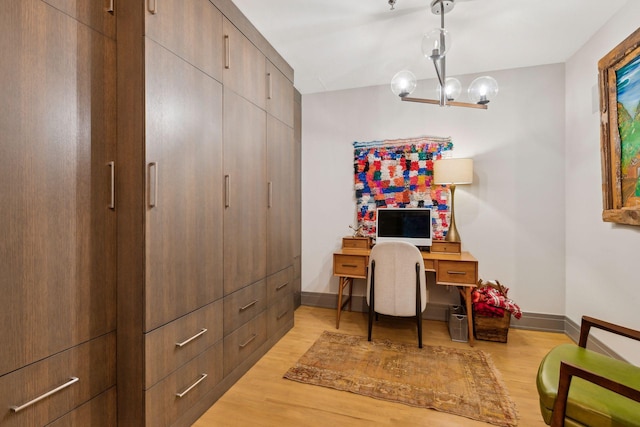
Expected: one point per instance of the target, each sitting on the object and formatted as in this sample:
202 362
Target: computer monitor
412 225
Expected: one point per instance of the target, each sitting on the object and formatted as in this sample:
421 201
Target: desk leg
344 281
467 299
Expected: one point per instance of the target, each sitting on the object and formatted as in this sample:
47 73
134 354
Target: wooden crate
491 328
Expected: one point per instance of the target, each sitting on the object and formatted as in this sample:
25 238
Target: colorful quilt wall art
399 173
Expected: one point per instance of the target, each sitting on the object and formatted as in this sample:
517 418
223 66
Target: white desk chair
396 283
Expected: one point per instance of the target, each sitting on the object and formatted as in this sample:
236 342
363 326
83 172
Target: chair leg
418 306
371 297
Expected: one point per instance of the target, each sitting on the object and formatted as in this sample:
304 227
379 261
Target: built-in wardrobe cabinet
200 108
57 216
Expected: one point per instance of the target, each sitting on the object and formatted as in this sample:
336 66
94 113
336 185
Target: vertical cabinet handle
112 197
202 377
269 193
153 184
152 6
227 52
72 380
269 86
109 7
227 191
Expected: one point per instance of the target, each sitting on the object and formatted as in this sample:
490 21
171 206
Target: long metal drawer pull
282 286
202 377
110 7
112 201
350 265
153 7
251 304
185 342
270 85
227 191
227 52
270 193
153 185
282 315
456 272
72 380
253 337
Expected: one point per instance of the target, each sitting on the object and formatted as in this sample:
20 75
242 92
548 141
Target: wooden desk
459 270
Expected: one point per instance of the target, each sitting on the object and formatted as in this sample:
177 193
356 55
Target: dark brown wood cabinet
183 209
245 204
57 217
280 194
128 260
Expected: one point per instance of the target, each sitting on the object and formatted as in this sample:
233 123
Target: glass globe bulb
403 83
483 89
452 88
436 43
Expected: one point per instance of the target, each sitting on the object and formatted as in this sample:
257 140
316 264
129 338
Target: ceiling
341 44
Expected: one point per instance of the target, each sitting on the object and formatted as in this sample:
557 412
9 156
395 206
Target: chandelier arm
452 103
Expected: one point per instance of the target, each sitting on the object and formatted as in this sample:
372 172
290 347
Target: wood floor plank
263 398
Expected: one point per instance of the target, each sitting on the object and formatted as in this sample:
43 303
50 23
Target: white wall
511 218
602 259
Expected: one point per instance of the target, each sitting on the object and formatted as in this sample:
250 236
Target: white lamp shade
453 171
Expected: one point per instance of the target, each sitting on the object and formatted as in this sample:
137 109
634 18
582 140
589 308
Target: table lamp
453 172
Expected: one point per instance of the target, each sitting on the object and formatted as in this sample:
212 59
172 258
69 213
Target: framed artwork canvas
619 80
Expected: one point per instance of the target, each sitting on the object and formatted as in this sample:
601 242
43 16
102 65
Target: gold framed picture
619 80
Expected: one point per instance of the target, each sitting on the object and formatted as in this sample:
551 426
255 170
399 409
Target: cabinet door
57 115
279 95
244 66
280 195
192 29
245 226
184 188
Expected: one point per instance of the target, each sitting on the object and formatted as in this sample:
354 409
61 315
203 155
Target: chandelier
435 45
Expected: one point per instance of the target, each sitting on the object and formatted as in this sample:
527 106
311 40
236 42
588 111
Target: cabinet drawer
349 265
279 313
101 411
195 332
457 271
243 305
241 343
279 284
163 405
92 363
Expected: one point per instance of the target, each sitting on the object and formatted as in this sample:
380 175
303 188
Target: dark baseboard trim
528 321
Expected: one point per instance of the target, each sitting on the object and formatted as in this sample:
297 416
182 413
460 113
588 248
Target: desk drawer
350 265
457 272
429 264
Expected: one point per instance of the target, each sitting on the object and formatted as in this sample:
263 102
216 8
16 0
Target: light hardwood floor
263 398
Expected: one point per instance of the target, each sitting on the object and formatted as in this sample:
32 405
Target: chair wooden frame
372 311
568 370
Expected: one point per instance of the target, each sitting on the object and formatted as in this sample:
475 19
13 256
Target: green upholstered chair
579 387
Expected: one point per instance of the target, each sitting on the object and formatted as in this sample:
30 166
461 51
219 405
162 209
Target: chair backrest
395 278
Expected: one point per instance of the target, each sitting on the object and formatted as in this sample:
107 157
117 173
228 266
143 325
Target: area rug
456 381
